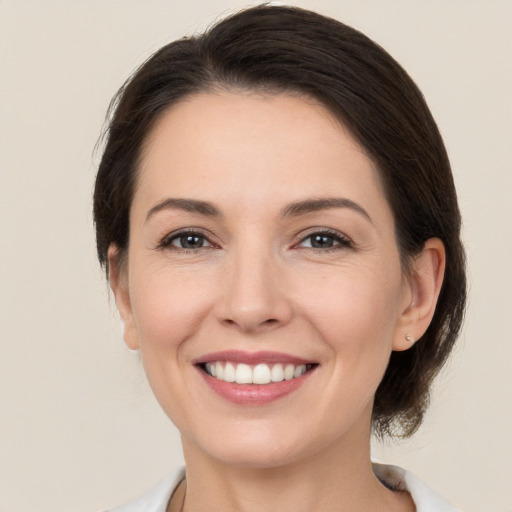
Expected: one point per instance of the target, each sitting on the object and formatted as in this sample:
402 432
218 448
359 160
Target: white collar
425 499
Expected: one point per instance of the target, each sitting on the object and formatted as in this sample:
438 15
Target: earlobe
424 285
118 279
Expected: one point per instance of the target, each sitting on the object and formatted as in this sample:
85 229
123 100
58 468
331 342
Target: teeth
229 373
243 374
277 373
219 371
289 371
260 374
300 370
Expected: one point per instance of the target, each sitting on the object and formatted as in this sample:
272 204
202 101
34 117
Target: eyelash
167 241
340 241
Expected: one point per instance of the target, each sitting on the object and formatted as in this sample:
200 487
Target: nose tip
254 298
250 321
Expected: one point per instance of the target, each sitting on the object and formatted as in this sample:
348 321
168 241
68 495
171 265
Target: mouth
254 378
260 374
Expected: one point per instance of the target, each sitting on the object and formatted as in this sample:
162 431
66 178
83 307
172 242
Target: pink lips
237 356
252 394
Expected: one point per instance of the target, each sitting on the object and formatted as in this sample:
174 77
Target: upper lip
251 358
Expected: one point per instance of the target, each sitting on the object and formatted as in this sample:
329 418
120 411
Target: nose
254 296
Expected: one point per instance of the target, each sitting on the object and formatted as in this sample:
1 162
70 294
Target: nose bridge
254 297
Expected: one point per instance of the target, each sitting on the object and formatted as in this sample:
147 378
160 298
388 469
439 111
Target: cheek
356 321
168 306
353 306
356 318
169 309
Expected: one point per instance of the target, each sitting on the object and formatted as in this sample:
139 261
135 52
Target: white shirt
426 500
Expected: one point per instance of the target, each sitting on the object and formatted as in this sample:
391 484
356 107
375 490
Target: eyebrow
189 205
323 203
294 209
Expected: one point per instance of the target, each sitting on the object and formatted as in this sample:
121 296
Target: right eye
190 241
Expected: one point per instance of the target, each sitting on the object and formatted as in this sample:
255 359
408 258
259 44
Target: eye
325 240
186 240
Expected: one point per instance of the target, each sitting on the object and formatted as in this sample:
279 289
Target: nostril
251 326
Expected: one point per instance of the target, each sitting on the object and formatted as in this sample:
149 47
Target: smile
254 379
260 374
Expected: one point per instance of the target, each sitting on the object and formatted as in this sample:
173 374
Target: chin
263 445
257 456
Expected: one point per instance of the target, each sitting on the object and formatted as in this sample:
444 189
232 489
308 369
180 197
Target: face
262 250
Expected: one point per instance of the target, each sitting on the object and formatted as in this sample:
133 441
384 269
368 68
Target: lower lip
254 394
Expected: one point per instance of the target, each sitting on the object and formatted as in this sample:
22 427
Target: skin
257 284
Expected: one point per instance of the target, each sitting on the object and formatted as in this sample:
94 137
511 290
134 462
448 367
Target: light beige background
79 429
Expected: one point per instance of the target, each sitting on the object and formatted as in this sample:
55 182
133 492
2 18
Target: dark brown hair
285 49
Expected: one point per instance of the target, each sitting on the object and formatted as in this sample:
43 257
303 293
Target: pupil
191 242
321 241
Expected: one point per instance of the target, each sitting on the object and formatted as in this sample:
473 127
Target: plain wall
79 428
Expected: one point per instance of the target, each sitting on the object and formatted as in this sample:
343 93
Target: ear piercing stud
409 338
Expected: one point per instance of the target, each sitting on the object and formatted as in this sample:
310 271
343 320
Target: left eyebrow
323 203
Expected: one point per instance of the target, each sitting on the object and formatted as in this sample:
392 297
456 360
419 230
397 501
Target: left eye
324 241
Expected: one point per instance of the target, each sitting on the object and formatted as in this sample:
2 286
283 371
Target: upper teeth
260 374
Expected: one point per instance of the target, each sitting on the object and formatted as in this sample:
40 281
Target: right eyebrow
188 205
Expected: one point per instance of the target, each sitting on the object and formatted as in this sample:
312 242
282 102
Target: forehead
247 146
253 111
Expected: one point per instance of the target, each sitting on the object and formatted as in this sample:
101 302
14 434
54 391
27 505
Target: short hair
278 49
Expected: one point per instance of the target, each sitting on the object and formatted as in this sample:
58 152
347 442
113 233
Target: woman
276 215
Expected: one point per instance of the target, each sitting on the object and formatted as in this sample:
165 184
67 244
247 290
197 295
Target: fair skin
289 257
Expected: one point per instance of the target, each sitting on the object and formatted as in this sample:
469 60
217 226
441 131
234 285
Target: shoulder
425 499
156 499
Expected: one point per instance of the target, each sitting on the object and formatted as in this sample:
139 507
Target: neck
337 479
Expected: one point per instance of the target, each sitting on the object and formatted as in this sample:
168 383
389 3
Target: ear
118 278
422 291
